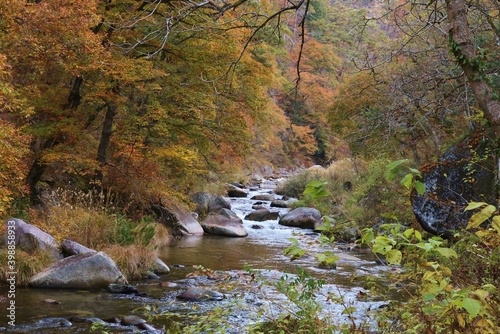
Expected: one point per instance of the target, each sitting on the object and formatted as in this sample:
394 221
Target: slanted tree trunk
464 50
38 168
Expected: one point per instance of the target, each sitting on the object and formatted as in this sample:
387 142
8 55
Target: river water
216 263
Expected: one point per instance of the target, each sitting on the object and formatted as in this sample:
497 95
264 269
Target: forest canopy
154 98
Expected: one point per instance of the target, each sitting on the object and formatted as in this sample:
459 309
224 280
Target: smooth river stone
200 295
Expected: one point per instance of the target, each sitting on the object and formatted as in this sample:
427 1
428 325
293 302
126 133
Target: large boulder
225 223
30 238
261 215
206 203
82 271
302 217
235 191
279 203
174 216
465 173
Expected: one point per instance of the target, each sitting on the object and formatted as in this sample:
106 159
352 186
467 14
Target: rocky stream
215 264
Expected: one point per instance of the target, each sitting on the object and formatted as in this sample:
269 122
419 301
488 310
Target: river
216 263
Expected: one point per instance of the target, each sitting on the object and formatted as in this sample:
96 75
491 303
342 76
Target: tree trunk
463 48
38 168
107 130
75 96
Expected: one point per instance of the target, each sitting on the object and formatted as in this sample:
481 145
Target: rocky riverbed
206 272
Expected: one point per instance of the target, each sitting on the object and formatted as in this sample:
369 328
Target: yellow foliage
13 168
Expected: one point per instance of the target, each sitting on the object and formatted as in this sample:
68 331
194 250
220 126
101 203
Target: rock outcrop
465 173
180 220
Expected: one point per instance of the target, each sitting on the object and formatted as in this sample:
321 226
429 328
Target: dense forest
116 106
154 98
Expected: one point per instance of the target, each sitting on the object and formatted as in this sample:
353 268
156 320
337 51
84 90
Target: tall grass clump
133 260
27 265
91 220
84 217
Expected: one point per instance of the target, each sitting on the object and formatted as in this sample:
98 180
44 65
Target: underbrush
359 194
449 286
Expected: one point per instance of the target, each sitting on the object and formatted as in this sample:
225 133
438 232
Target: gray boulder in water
81 271
206 203
235 191
302 217
225 223
261 215
200 295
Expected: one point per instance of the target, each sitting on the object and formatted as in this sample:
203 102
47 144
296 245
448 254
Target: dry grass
89 219
133 260
27 265
86 226
82 217
162 237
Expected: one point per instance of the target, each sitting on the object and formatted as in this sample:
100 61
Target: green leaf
407 181
315 190
396 163
394 168
407 233
414 171
394 256
496 223
367 235
419 187
472 306
428 296
381 249
316 184
425 246
475 205
349 310
447 252
478 218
